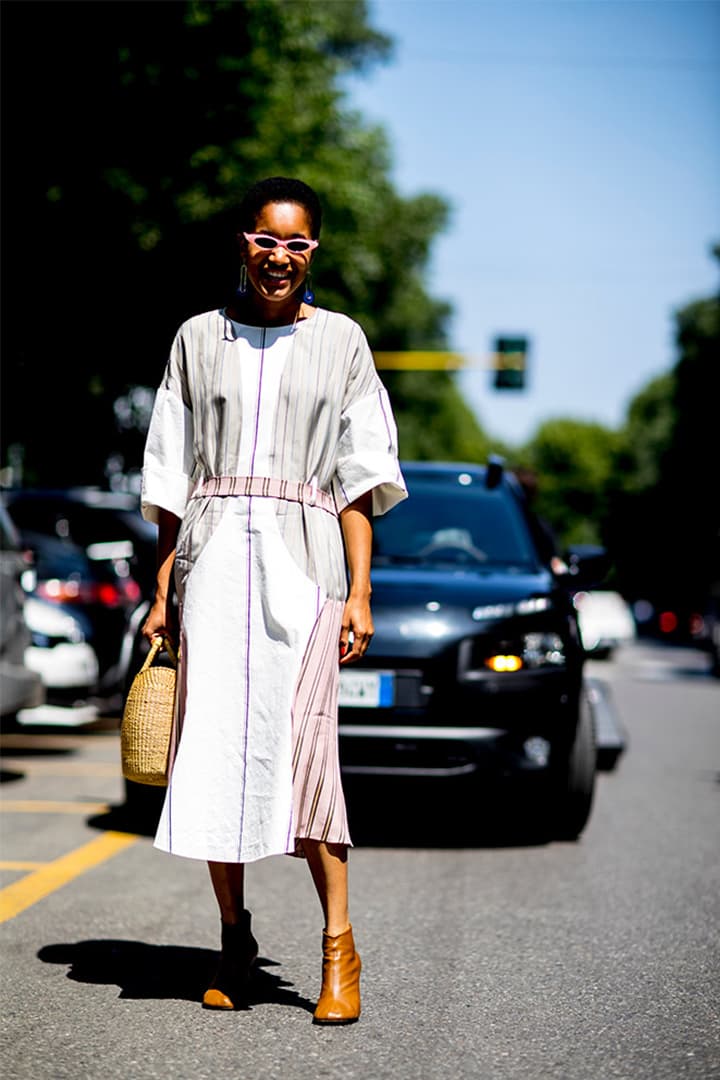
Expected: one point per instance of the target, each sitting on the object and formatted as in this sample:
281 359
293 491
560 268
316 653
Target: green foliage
575 463
664 521
650 490
149 122
434 423
647 434
697 391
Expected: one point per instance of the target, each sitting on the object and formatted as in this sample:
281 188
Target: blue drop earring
242 285
309 297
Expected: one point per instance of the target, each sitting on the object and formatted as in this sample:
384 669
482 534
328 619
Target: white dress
297 424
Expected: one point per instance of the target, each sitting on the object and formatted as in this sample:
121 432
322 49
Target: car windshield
443 525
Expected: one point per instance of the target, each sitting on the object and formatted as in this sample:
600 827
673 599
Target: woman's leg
228 882
228 989
339 1001
328 866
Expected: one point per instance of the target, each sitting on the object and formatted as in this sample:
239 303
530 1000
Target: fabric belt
266 487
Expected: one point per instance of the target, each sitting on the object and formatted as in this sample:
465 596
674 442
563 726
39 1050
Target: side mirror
494 471
587 567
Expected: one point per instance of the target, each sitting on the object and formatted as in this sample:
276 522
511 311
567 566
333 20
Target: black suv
476 663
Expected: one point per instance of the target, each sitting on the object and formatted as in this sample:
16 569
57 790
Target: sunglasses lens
298 246
265 242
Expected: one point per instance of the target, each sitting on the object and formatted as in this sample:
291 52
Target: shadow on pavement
395 812
139 814
7 776
155 972
400 812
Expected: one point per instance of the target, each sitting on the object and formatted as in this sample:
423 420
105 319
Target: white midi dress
259 437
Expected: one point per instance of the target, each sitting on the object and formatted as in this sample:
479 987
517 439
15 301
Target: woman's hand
160 622
357 620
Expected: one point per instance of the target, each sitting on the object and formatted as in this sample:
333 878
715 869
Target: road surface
482 957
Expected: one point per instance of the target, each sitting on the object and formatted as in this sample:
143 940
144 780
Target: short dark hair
277 189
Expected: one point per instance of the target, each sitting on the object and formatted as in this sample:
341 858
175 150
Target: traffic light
510 363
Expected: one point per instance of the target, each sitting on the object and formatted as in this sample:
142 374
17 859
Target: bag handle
158 644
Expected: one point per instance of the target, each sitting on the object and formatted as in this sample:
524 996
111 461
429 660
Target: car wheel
573 777
608 757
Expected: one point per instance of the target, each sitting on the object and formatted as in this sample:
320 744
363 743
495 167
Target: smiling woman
276 262
280 221
272 444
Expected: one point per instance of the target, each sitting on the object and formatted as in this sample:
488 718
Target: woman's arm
161 619
356 524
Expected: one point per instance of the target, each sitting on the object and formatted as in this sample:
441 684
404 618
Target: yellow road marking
21 741
62 768
22 894
47 806
10 864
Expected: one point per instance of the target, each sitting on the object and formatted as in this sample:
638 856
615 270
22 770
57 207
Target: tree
434 423
647 434
130 132
575 463
664 523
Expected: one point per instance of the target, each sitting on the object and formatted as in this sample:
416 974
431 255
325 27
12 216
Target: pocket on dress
201 520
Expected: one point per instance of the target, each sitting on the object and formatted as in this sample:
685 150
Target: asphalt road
482 957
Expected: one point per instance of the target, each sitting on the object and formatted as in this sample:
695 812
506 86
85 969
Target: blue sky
578 144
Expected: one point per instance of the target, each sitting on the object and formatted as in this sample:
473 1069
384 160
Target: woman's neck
244 310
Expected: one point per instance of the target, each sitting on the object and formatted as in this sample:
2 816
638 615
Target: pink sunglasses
297 246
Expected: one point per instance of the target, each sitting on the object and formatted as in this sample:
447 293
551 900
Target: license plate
367 689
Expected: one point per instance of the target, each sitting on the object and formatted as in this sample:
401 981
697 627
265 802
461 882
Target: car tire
608 757
573 777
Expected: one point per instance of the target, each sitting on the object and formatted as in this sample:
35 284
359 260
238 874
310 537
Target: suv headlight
526 652
542 650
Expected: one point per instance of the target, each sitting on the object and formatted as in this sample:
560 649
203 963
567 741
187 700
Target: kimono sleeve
167 475
367 458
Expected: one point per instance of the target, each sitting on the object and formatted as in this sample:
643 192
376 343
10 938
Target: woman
271 443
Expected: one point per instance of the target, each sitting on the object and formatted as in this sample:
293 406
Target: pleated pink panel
318 800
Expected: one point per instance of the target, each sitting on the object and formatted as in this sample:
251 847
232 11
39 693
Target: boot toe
216 999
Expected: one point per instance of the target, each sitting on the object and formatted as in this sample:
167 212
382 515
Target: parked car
712 634
476 664
99 590
94 554
59 649
605 620
98 521
20 687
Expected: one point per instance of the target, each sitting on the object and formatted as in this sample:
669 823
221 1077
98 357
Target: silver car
20 688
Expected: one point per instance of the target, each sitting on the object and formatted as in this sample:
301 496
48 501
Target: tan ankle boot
340 994
228 990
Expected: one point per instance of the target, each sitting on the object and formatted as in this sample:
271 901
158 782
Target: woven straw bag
147 720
